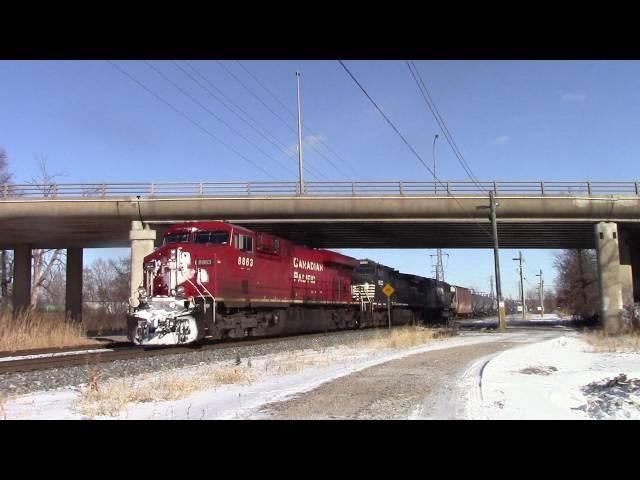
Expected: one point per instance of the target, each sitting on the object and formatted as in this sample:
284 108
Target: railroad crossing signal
388 290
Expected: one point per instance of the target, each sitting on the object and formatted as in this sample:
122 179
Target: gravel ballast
52 379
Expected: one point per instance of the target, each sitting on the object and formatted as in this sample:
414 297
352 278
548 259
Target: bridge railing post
353 188
589 188
542 188
248 189
495 187
637 188
448 189
201 189
152 189
401 188
103 190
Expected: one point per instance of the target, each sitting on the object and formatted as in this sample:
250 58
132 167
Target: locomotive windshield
178 237
218 238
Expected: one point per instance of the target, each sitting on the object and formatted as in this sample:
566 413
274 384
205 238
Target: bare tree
577 282
45 261
5 260
106 293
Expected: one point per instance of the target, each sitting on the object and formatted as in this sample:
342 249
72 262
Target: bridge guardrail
355 188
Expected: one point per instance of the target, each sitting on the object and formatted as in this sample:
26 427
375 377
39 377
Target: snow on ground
555 379
271 383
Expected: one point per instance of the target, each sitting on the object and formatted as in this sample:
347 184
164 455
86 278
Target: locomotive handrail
325 188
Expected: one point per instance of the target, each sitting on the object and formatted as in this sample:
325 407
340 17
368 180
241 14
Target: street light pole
435 181
300 164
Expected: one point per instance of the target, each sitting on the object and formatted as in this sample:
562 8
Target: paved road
425 385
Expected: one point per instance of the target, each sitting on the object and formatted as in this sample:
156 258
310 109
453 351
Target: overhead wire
214 115
441 123
406 142
190 120
304 124
286 123
257 126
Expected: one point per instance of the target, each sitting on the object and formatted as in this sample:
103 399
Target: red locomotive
222 280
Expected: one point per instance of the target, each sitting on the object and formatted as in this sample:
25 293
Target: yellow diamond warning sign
388 290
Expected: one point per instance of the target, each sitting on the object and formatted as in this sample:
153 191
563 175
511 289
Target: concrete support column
635 269
626 273
142 243
22 277
73 298
609 276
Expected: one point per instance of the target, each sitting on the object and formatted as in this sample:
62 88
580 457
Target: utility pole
300 164
496 259
439 265
541 293
524 307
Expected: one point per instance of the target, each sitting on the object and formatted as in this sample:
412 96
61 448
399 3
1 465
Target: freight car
461 302
483 305
221 280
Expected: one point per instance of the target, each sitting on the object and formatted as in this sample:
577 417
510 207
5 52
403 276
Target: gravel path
27 382
424 383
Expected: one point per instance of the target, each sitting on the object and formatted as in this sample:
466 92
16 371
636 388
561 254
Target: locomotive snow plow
163 321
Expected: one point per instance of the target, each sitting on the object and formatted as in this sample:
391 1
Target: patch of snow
511 389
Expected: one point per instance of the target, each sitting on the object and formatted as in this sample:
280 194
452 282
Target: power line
326 145
214 115
197 82
189 119
454 146
408 144
441 123
309 144
282 146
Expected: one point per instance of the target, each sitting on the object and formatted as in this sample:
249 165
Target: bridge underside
87 233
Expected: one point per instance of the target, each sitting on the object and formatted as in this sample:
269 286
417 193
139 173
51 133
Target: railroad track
74 357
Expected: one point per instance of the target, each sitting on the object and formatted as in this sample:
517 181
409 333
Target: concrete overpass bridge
394 214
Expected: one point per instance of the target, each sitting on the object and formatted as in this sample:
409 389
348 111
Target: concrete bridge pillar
626 266
73 298
609 276
22 277
142 243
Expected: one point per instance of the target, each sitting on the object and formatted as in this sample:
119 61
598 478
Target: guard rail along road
338 188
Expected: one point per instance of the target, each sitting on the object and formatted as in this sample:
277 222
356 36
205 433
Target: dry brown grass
405 337
101 322
33 329
621 343
112 397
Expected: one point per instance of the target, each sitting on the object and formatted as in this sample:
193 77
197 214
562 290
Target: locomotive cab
178 284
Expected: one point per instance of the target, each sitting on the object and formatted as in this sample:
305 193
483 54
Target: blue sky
513 120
